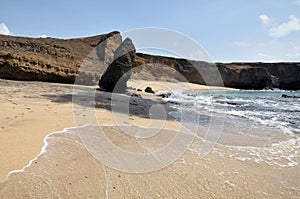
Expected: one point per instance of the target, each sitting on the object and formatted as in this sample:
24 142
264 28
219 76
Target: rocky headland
59 60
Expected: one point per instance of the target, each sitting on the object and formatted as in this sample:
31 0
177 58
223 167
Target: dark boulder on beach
118 72
149 90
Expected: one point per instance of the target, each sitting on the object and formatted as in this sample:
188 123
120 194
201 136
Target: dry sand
31 110
158 85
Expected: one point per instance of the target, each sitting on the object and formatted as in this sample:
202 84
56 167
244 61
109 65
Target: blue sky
229 30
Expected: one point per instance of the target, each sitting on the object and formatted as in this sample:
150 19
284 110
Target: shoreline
65 130
47 115
219 175
42 151
213 175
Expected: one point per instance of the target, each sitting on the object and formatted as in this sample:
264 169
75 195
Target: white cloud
4 29
298 2
43 36
293 25
264 19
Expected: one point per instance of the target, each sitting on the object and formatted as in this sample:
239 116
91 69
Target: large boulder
118 72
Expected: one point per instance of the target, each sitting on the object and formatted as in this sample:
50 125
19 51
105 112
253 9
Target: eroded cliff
58 60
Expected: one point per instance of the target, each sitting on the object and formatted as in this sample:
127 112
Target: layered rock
55 60
58 60
244 77
119 71
235 75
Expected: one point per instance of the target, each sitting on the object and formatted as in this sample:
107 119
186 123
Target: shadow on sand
121 103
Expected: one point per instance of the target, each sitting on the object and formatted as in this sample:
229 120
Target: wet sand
67 170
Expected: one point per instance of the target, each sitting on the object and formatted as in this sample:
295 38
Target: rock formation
277 75
235 75
244 77
54 60
149 90
119 71
289 96
58 60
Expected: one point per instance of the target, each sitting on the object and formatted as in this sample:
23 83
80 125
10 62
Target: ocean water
265 109
258 126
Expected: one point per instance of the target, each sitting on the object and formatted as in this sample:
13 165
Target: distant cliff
58 60
261 75
236 75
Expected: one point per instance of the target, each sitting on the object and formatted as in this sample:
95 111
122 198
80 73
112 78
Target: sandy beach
32 110
138 99
28 116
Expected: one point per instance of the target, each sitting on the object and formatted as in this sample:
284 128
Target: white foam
46 144
282 154
43 150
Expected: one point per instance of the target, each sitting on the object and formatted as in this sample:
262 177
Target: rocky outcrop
119 71
58 60
55 60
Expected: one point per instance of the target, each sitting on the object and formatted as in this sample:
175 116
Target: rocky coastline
58 60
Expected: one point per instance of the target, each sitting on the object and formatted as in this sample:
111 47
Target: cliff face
244 76
262 75
53 60
235 75
57 60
